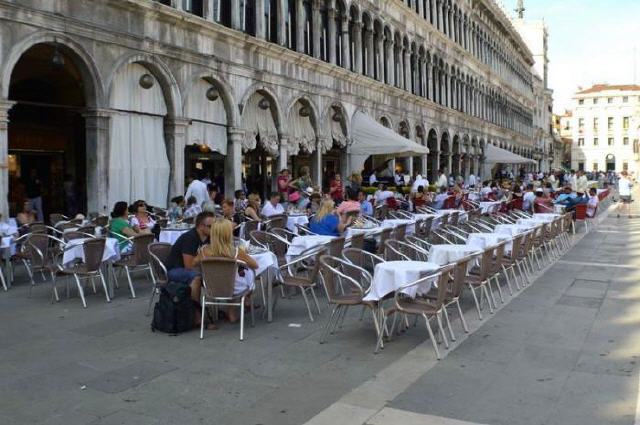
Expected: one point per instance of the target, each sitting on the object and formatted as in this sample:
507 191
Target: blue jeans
182 275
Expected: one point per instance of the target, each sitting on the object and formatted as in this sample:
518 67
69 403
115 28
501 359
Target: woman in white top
624 190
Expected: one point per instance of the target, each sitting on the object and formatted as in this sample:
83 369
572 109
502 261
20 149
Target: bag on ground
173 313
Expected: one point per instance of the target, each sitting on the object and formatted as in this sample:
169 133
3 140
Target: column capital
5 106
177 121
236 134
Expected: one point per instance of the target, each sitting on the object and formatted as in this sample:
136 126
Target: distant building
536 36
605 124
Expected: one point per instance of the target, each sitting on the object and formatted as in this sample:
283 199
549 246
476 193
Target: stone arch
160 71
404 129
227 94
270 95
302 113
385 121
91 77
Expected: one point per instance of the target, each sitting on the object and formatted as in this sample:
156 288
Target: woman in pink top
283 184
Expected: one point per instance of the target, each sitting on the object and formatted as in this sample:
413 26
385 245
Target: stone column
435 166
371 54
430 91
407 70
467 168
439 14
299 30
236 18
208 10
400 64
391 60
380 59
261 25
331 13
283 157
357 47
282 27
316 162
97 141
346 44
425 161
5 106
316 48
450 17
174 135
233 162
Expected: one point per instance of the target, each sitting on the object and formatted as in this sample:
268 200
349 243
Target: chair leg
93 284
4 283
104 286
202 316
497 277
448 322
133 292
475 300
344 314
54 290
431 336
462 319
80 291
306 301
315 299
441 330
506 278
153 295
253 314
325 331
486 294
242 319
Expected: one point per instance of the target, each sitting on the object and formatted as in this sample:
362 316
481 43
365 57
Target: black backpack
174 311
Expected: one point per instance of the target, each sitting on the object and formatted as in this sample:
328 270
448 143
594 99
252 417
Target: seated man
440 198
566 195
273 206
182 264
593 202
366 208
581 198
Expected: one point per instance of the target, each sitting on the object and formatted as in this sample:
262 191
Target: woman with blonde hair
221 245
327 222
253 207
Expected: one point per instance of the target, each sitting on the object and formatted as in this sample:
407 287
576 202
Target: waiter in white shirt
198 189
273 206
420 181
442 180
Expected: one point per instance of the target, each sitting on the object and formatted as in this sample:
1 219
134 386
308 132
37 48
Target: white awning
494 155
372 138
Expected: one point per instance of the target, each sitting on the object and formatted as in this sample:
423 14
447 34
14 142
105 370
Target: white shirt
573 182
581 184
624 187
399 179
472 180
372 179
383 195
440 198
420 181
592 205
198 190
527 200
442 181
268 210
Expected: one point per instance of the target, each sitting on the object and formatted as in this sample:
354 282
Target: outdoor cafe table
446 254
294 219
481 241
351 231
411 224
533 222
546 216
170 235
391 275
512 229
461 218
487 207
299 244
8 231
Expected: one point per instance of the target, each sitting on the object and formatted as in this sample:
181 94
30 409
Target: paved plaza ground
563 351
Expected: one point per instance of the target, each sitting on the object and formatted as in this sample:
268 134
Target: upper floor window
610 141
581 142
222 12
194 6
609 100
580 101
596 122
625 123
610 123
625 99
625 141
596 141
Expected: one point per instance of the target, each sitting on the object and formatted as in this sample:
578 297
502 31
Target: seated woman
350 204
221 245
141 218
327 222
419 198
229 212
252 210
542 202
119 226
27 215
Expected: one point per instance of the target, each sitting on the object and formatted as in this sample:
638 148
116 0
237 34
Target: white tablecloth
9 230
75 250
367 231
546 216
461 219
483 240
487 207
171 235
411 224
532 222
446 254
299 244
293 220
559 209
265 261
391 275
511 229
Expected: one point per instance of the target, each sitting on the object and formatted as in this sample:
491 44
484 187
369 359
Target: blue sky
590 41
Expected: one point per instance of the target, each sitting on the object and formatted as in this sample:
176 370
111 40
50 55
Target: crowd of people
217 220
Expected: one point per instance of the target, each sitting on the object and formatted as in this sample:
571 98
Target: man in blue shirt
565 197
366 208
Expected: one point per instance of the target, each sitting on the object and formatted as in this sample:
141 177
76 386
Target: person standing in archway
33 187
